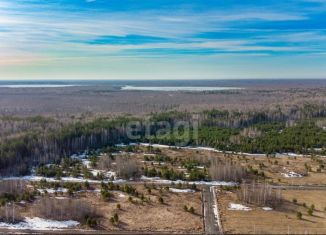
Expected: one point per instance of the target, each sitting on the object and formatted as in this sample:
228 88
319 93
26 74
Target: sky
162 39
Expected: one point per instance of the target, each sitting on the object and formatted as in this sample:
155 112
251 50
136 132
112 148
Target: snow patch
292 174
154 162
121 145
218 151
40 224
200 148
163 181
34 178
150 154
156 145
267 208
86 163
216 210
51 190
293 154
175 190
108 174
238 207
79 156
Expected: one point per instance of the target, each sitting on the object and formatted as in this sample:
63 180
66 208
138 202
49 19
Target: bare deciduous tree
12 186
64 209
127 167
10 213
105 163
260 194
226 171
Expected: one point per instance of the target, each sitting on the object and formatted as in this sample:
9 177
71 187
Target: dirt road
210 217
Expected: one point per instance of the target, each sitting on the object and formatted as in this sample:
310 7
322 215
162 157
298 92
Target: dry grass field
154 216
282 220
149 213
274 168
136 215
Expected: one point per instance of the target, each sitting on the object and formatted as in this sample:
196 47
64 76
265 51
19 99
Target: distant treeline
298 129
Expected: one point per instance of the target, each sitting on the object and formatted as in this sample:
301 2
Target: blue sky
155 39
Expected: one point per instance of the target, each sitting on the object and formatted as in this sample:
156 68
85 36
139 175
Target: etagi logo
179 132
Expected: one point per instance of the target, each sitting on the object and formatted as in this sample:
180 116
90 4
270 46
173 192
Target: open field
277 170
135 215
139 207
160 203
169 216
282 220
157 202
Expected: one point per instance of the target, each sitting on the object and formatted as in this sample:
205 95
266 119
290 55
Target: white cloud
45 35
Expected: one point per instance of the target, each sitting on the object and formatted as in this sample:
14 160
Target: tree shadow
121 225
307 220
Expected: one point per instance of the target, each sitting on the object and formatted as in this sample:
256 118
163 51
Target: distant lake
176 88
168 85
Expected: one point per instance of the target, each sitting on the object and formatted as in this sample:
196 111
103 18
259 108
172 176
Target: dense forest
299 130
33 147
34 140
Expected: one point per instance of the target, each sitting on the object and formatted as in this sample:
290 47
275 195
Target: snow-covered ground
150 154
154 162
293 154
121 145
200 148
216 210
217 151
40 224
64 179
214 150
61 198
51 190
83 157
157 145
238 207
86 163
89 191
292 174
200 167
79 156
175 190
163 181
107 174
143 178
267 208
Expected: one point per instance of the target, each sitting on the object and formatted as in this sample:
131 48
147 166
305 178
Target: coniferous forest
30 141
